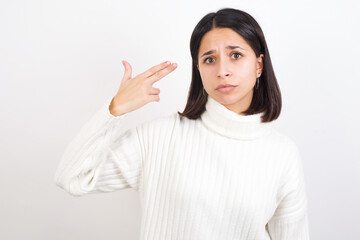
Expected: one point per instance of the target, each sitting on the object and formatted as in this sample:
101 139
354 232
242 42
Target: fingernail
167 63
174 64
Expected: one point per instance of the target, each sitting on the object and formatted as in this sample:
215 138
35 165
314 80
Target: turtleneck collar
230 124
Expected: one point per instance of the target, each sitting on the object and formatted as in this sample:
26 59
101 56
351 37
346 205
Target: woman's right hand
138 91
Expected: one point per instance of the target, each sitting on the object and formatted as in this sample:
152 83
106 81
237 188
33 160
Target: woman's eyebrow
227 47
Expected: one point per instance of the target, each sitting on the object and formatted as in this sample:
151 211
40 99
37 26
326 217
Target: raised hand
138 91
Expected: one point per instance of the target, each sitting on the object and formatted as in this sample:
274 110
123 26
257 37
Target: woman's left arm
290 220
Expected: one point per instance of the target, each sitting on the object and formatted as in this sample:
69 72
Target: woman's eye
238 54
206 60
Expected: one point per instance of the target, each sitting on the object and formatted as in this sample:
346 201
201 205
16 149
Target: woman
216 171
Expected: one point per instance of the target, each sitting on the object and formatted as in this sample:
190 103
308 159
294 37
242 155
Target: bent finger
154 91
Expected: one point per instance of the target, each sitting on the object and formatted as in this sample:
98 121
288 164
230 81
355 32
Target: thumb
128 70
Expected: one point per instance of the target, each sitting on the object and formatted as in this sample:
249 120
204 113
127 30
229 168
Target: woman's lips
226 89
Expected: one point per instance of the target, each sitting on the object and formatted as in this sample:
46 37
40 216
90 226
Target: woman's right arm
88 164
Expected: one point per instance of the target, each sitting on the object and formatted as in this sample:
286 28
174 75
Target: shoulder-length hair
267 97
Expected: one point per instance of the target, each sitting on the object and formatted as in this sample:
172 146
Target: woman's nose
223 70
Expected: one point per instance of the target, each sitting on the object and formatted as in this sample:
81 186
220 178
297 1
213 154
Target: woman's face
225 58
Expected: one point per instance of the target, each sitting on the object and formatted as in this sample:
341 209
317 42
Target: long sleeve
104 156
290 220
183 168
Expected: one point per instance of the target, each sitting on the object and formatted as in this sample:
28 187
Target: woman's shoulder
172 118
162 128
285 149
163 122
282 141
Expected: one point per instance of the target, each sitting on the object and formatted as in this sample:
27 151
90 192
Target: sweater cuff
87 149
107 109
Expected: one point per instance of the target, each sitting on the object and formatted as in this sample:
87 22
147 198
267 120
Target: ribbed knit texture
223 176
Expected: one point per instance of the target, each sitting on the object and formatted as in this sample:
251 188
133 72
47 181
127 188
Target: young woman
218 170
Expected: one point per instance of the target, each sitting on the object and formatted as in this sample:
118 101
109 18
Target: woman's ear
260 63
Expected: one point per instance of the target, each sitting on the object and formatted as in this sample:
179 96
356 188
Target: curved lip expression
225 85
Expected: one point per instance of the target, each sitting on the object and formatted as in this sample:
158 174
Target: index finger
162 73
154 69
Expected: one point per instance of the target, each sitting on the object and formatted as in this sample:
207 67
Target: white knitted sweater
223 176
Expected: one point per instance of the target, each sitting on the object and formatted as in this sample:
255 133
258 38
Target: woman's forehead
222 38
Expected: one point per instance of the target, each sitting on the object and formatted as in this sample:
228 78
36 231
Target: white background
61 59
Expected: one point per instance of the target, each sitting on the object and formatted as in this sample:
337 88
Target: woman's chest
220 177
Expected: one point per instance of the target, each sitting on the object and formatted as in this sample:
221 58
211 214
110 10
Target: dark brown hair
267 97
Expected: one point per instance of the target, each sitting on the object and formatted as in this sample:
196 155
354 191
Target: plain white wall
60 60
